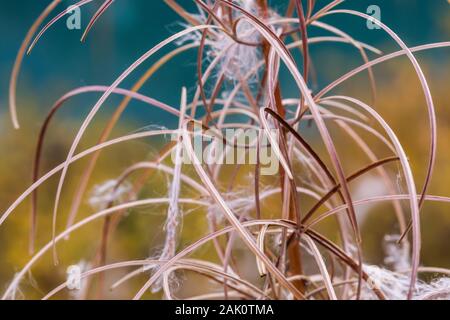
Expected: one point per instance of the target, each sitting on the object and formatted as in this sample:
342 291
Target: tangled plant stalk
243 49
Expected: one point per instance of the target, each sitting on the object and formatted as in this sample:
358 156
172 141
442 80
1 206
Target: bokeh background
60 63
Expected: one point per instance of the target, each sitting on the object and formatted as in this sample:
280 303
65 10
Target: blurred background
60 63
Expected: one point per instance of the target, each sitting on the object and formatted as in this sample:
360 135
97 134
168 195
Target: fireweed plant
243 47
